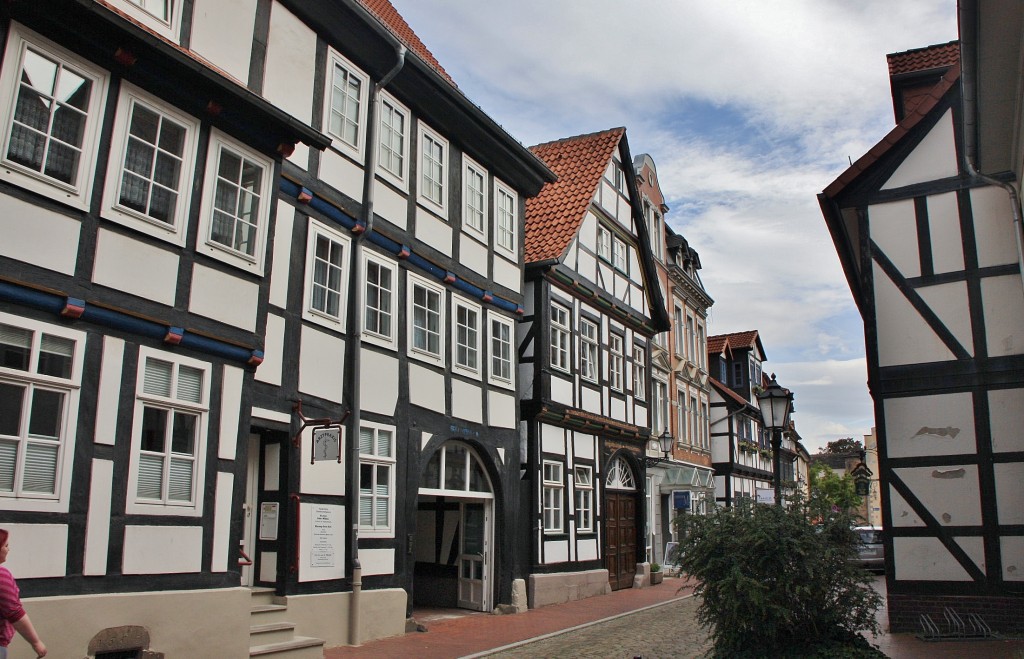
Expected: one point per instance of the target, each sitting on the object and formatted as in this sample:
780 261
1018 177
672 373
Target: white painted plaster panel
1006 418
501 410
561 390
930 425
222 33
525 378
903 335
473 255
556 551
617 408
321 364
433 231
38 550
284 225
893 227
624 213
271 415
268 566
1012 550
130 265
162 549
222 553
97 524
35 235
377 561
109 390
552 439
321 541
640 416
467 401
230 410
934 158
902 513
426 388
993 226
342 174
223 297
590 400
1003 309
1009 493
561 296
389 204
927 559
272 467
587 265
949 493
273 352
944 229
949 302
291 54
584 446
587 550
605 276
300 156
322 476
379 382
587 234
507 274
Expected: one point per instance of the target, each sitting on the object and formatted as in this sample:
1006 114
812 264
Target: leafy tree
830 490
843 445
772 584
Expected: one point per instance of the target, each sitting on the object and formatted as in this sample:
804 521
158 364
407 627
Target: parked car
870 550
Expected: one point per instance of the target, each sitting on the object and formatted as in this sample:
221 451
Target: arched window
455 469
620 476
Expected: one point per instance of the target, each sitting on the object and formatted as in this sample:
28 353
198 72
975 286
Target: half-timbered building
592 305
927 227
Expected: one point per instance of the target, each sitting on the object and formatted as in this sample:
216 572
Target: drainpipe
966 11
355 336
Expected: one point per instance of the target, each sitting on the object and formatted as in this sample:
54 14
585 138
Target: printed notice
268 520
323 532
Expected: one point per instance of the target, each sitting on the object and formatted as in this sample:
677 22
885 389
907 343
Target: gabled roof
939 56
747 340
728 394
717 344
393 21
554 216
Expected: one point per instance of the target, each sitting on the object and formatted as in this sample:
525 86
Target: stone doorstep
274 632
298 643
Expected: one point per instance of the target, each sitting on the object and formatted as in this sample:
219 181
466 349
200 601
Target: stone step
274 632
263 595
300 647
265 614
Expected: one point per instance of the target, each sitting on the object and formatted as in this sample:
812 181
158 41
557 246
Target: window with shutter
376 480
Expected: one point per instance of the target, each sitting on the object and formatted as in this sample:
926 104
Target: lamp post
665 441
775 403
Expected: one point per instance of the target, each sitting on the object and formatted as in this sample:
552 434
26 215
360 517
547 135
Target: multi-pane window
162 16
159 8
326 275
376 480
604 243
660 404
238 200
150 182
559 337
433 154
553 486
467 336
501 349
392 138
427 318
705 419
737 374
682 427
584 487
505 218
588 350
702 350
474 196
345 108
171 409
691 339
39 377
615 362
639 372
677 326
379 313
695 421
619 254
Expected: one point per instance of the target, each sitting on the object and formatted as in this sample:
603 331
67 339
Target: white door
474 557
248 547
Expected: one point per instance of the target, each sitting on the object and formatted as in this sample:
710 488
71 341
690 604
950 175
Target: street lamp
775 403
665 440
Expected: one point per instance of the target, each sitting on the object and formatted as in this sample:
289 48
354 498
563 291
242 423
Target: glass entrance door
473 556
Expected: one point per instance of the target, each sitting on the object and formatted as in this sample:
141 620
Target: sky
749 109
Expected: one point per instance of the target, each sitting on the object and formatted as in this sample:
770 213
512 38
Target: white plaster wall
501 410
426 388
290 64
561 390
949 302
583 446
507 274
322 476
109 390
586 550
222 510
268 566
162 549
97 522
300 156
944 229
934 158
222 297
993 227
130 265
272 467
342 174
230 411
222 33
587 266
473 255
273 351
893 227
1003 310
32 234
590 400
617 408
552 439
1009 494
1012 550
377 561
903 335
284 226
926 559
467 401
640 416
37 550
433 231
391 205
556 551
379 382
949 493
1006 418
321 364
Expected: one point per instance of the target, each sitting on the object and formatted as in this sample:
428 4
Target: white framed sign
268 520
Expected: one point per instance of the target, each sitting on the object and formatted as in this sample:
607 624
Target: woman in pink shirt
12 615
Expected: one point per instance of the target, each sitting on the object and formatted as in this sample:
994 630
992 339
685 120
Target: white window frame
475 342
705 422
694 420
659 405
589 354
604 243
434 155
691 338
389 340
619 258
702 346
388 106
169 27
416 282
494 344
336 61
639 373
321 317
682 428
506 220
375 459
679 324
470 170
616 361
583 483
78 193
174 232
206 245
194 508
559 347
553 486
58 501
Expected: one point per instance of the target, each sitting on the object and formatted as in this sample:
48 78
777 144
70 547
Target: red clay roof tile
393 21
924 59
747 339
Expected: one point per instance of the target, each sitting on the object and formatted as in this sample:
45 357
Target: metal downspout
355 325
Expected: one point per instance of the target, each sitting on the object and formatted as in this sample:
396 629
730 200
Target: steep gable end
393 21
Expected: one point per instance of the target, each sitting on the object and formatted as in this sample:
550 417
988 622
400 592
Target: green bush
772 584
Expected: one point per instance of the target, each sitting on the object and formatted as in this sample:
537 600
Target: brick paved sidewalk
473 633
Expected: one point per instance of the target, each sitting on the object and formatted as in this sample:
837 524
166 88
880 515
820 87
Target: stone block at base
545 589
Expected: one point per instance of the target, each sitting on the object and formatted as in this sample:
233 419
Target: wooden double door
620 535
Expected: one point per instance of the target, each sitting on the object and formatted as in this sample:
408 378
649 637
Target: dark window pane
12 397
47 414
184 438
154 429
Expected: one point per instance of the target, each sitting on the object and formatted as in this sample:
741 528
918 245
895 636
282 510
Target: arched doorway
452 546
620 495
